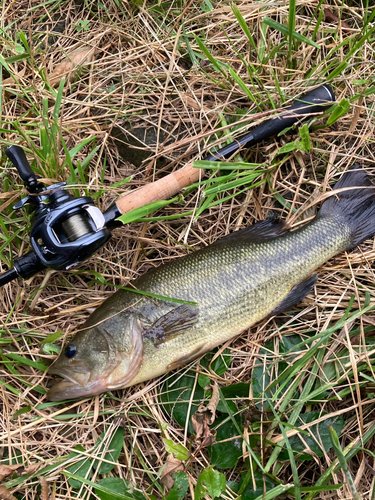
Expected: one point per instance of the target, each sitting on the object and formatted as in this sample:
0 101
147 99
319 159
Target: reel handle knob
17 156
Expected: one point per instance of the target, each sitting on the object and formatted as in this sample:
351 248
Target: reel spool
75 227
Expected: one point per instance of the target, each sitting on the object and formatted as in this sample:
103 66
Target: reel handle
17 156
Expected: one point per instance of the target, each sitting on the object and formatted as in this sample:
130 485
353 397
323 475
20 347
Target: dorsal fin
257 233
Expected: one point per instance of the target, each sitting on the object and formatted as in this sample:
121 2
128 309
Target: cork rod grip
162 189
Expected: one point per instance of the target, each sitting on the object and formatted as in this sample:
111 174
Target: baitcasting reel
65 230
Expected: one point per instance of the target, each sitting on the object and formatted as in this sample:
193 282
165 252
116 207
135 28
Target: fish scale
236 282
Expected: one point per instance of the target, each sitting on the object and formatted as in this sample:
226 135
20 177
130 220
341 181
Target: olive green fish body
236 282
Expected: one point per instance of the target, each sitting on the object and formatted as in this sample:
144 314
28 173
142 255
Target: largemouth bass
234 283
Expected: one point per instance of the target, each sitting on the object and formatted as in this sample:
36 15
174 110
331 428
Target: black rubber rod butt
313 102
8 276
17 156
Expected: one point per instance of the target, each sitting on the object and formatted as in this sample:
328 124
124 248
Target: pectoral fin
172 324
297 293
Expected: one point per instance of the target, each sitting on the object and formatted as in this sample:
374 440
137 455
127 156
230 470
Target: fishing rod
66 230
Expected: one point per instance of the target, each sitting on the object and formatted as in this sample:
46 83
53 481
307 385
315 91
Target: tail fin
357 206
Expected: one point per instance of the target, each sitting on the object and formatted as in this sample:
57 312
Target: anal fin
297 293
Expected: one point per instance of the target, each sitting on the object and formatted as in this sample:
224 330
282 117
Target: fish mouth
73 386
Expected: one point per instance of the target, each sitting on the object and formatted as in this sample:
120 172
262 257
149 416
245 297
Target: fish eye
71 350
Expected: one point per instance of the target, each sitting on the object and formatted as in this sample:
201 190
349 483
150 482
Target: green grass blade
291 27
219 66
285 31
244 26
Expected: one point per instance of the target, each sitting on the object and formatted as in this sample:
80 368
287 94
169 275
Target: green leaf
339 109
343 462
262 485
369 91
224 408
180 487
263 41
176 395
112 487
229 165
80 468
242 181
38 365
21 411
50 349
305 137
261 376
203 380
210 482
218 65
291 25
226 455
99 276
276 492
23 39
291 146
240 390
20 57
19 48
207 6
58 102
178 450
241 84
233 486
319 434
337 71
245 28
113 453
121 182
52 337
318 489
74 151
221 364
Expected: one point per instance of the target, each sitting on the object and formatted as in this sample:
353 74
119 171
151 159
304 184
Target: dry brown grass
138 76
